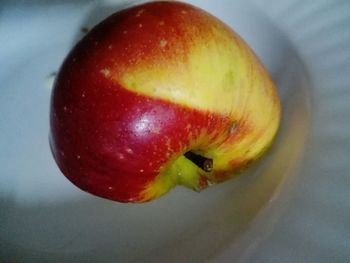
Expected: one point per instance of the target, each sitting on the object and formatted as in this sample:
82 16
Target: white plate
293 206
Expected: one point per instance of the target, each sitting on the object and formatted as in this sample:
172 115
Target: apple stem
202 162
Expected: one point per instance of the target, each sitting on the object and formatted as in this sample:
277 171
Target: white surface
291 207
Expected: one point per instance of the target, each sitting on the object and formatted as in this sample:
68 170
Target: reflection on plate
292 205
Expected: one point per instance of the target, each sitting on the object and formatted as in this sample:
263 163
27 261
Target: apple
157 95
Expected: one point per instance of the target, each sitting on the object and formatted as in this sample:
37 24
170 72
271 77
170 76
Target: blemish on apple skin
83 95
140 25
110 188
183 12
128 150
65 108
139 13
141 170
161 23
125 32
163 43
155 130
106 72
78 156
168 143
110 46
233 127
62 153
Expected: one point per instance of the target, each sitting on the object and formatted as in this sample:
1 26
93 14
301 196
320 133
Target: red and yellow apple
156 95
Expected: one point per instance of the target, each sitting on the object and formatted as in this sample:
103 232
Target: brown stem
202 162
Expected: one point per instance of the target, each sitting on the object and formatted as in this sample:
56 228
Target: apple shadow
182 226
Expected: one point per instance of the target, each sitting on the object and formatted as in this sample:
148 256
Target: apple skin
149 84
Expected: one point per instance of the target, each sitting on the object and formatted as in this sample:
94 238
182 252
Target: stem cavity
202 162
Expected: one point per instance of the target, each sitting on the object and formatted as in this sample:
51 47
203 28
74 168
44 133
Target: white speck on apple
62 153
110 46
125 32
65 108
110 188
161 23
141 170
155 130
140 25
78 156
106 72
168 144
163 43
139 13
184 12
128 150
83 95
121 156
